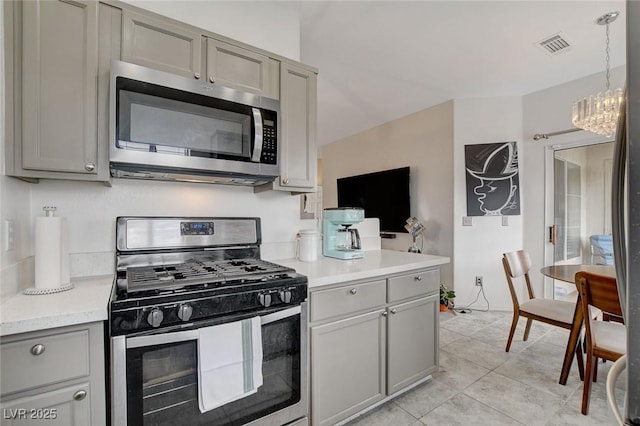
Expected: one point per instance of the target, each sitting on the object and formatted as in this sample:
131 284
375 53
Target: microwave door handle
258 140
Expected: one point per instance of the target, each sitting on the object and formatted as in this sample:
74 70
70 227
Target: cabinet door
162 45
412 342
68 406
59 89
242 69
298 153
348 361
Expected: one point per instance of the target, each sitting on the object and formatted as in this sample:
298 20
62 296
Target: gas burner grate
198 272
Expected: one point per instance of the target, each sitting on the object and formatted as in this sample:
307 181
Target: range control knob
285 296
185 312
155 317
264 299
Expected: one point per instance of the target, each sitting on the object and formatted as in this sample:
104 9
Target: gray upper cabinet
299 156
54 90
298 153
241 68
160 44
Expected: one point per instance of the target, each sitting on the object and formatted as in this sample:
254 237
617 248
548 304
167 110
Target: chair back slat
512 291
599 291
518 264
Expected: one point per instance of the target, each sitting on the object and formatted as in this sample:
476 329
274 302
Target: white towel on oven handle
229 362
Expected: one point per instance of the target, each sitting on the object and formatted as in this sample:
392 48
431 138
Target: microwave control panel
269 138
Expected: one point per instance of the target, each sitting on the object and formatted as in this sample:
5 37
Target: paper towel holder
49 211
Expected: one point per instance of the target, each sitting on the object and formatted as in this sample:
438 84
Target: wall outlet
478 280
467 221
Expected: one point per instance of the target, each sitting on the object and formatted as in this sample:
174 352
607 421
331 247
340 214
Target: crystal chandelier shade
599 113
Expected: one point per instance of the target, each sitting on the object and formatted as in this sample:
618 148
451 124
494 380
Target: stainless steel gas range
185 293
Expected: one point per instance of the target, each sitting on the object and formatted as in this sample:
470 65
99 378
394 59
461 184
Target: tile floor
481 384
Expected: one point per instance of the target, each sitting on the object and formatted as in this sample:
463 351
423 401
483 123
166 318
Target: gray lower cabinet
54 377
348 363
412 330
370 340
52 60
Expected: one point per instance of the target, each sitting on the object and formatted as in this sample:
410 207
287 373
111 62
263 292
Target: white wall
271 25
547 111
92 208
422 141
478 248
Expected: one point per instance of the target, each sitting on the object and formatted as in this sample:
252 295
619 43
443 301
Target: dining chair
560 313
604 339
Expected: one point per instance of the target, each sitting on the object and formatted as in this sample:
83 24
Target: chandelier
599 113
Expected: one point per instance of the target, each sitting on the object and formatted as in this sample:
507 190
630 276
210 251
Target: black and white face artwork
492 179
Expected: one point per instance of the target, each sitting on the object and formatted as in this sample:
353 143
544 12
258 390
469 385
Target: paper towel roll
51 255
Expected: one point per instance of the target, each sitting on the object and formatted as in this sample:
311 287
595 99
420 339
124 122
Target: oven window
163 389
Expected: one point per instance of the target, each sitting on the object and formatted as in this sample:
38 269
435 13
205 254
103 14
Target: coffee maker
339 239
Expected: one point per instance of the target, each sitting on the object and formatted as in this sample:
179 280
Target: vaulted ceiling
381 60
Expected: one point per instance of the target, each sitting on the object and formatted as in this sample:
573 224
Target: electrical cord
467 309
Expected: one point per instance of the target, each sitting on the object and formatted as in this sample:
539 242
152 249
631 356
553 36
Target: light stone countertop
326 270
87 301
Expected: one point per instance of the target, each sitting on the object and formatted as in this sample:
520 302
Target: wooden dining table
567 273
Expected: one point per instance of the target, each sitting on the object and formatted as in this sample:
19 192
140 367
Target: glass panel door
582 194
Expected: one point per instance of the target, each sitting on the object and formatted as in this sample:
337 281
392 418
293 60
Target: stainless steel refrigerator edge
626 213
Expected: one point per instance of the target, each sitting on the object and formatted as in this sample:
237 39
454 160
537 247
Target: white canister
308 245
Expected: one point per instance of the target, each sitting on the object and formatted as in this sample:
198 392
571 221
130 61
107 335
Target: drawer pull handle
353 291
393 311
80 395
418 278
37 349
196 75
90 166
384 314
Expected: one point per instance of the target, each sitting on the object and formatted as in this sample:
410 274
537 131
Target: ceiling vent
555 44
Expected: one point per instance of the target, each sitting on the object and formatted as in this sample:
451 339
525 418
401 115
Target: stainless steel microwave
168 127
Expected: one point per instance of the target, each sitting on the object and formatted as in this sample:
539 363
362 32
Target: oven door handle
161 339
183 336
277 316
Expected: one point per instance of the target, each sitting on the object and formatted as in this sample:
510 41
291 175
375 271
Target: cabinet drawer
59 357
414 284
347 299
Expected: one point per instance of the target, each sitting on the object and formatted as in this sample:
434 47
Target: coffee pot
347 239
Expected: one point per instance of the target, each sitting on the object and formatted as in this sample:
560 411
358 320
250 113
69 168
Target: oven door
154 376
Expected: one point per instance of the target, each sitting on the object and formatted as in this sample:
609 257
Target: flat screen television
384 195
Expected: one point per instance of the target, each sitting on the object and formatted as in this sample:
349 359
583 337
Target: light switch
467 221
505 220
